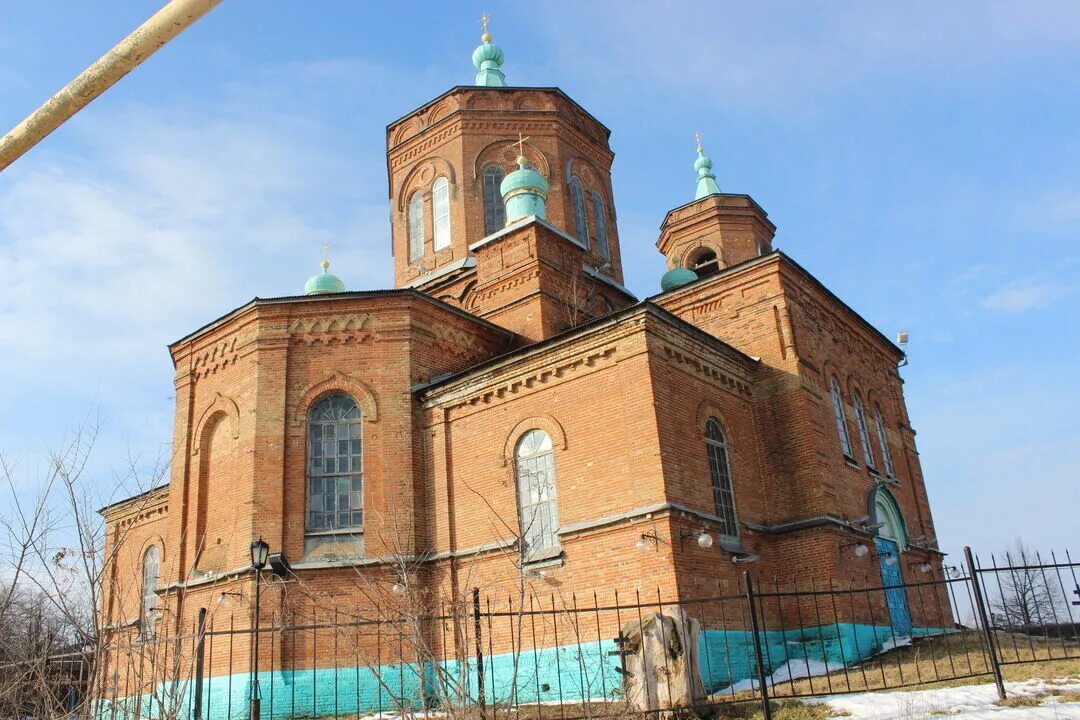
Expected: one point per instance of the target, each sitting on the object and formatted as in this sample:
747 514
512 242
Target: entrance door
895 597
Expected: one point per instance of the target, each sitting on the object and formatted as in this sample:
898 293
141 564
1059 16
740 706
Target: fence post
759 661
480 696
200 637
984 620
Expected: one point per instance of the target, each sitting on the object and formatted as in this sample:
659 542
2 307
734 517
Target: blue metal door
896 597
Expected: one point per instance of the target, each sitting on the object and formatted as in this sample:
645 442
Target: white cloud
1025 295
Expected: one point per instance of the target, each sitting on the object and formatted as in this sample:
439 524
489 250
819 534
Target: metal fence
571 657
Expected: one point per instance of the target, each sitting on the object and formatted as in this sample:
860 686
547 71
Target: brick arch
337 382
545 422
410 127
504 153
708 409
417 179
533 101
689 250
153 540
438 112
591 178
222 405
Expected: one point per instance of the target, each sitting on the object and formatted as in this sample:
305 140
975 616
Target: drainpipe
144 41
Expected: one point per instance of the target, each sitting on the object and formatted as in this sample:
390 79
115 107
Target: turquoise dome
524 192
706 181
702 162
676 277
324 283
488 58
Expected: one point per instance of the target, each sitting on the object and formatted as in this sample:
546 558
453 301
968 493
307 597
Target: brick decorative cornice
343 328
711 371
424 142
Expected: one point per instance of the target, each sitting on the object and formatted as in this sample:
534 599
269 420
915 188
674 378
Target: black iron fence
566 657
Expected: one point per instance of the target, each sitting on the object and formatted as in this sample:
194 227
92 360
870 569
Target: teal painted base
568 673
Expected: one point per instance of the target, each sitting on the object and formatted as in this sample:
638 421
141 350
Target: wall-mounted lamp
741 559
860 549
923 567
649 537
703 538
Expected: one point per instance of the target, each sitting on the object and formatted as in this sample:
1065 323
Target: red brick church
510 413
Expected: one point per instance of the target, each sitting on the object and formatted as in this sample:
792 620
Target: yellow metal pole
144 41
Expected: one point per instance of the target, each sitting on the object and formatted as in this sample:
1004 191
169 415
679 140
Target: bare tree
1025 597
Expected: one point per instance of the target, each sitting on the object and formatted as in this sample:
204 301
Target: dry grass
945 661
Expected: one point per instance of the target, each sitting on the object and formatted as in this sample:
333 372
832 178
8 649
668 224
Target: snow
971 702
893 643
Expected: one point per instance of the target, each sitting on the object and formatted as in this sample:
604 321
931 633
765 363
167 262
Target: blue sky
919 158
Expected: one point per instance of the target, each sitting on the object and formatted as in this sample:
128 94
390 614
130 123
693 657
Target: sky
919 158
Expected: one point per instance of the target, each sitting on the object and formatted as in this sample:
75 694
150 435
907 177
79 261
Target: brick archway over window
337 382
547 423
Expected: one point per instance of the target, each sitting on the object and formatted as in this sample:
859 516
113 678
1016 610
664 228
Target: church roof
643 306
337 297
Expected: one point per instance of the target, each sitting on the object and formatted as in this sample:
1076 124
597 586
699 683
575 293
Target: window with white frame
494 209
841 417
601 226
151 565
440 194
416 226
577 200
864 431
883 441
335 475
535 466
720 472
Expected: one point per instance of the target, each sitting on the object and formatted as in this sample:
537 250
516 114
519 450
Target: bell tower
712 232
446 162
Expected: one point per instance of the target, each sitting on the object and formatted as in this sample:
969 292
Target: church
510 418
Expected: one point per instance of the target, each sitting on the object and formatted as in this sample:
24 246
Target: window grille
536 494
440 192
335 475
723 495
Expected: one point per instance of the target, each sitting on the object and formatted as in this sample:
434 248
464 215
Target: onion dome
524 192
324 283
676 277
488 58
706 181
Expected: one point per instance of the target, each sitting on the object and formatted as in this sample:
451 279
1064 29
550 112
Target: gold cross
521 145
484 18
697 137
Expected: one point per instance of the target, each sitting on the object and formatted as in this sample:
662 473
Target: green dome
524 178
676 277
487 53
702 162
324 283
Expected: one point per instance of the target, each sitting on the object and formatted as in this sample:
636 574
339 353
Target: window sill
850 461
331 533
545 558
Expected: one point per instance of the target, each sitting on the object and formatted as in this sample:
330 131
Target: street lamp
259 552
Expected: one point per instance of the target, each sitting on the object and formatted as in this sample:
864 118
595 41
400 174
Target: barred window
335 476
883 441
841 417
864 432
723 495
416 226
440 193
601 226
494 209
151 564
577 199
536 495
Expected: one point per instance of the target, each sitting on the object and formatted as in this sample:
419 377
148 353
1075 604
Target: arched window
416 226
335 477
723 496
494 209
864 431
704 262
601 226
577 199
841 417
889 519
883 441
151 562
440 193
535 460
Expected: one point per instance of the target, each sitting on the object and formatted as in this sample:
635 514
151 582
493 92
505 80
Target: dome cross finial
484 19
697 139
521 149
